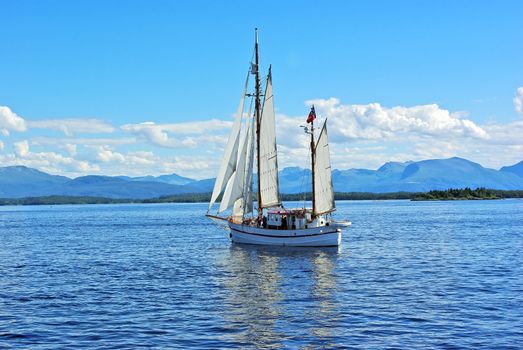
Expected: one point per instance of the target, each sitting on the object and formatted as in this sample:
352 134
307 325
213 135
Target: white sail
268 159
227 200
247 197
235 188
244 205
230 156
323 194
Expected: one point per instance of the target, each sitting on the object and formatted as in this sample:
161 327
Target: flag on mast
254 68
312 115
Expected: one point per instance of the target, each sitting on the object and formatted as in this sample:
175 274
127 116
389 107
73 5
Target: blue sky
78 72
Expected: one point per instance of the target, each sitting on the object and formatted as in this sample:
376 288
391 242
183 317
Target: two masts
253 138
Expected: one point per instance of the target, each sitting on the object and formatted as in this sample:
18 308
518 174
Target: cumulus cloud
375 122
51 162
49 141
409 133
176 135
9 120
1 145
361 136
71 149
139 163
71 126
109 157
21 148
518 100
104 154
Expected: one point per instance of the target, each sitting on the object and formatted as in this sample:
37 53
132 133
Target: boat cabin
294 219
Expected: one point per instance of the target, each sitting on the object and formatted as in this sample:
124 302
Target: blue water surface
408 275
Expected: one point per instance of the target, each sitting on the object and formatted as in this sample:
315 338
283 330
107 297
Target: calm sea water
409 275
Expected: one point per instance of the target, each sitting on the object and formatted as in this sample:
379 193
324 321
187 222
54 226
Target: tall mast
313 159
258 121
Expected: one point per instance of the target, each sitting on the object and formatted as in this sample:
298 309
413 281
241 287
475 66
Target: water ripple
409 275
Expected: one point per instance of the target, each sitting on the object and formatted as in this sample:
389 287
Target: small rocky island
456 194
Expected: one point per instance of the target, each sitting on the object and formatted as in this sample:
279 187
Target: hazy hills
426 175
433 174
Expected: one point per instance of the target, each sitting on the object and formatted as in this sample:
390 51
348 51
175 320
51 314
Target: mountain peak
19 168
22 171
393 167
515 169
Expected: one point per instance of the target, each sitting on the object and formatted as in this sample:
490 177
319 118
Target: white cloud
49 141
21 148
1 145
409 133
106 155
71 149
9 120
186 135
50 162
139 163
518 100
71 126
375 122
361 136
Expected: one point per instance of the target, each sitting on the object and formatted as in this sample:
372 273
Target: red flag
312 115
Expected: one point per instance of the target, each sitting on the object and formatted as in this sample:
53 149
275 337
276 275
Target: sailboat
253 137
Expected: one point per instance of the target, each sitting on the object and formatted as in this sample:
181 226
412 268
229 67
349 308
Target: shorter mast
313 161
310 119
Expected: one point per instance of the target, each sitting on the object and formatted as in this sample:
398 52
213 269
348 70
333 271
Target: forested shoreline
450 194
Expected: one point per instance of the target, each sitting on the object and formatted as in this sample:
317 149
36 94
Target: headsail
235 188
230 156
323 194
268 159
247 194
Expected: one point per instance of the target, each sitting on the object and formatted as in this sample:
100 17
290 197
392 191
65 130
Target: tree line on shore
464 194
450 194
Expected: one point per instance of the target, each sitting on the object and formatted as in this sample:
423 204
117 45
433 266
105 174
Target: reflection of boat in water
271 289
274 224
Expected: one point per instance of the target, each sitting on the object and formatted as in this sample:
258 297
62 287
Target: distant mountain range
433 174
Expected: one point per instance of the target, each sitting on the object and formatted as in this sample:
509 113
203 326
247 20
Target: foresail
226 201
268 159
324 193
247 196
235 188
230 156
244 204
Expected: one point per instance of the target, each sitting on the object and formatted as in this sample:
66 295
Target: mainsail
268 160
323 194
229 162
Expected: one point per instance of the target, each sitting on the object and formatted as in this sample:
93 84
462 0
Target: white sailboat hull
325 236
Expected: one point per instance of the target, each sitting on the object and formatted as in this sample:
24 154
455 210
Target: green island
450 194
462 194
